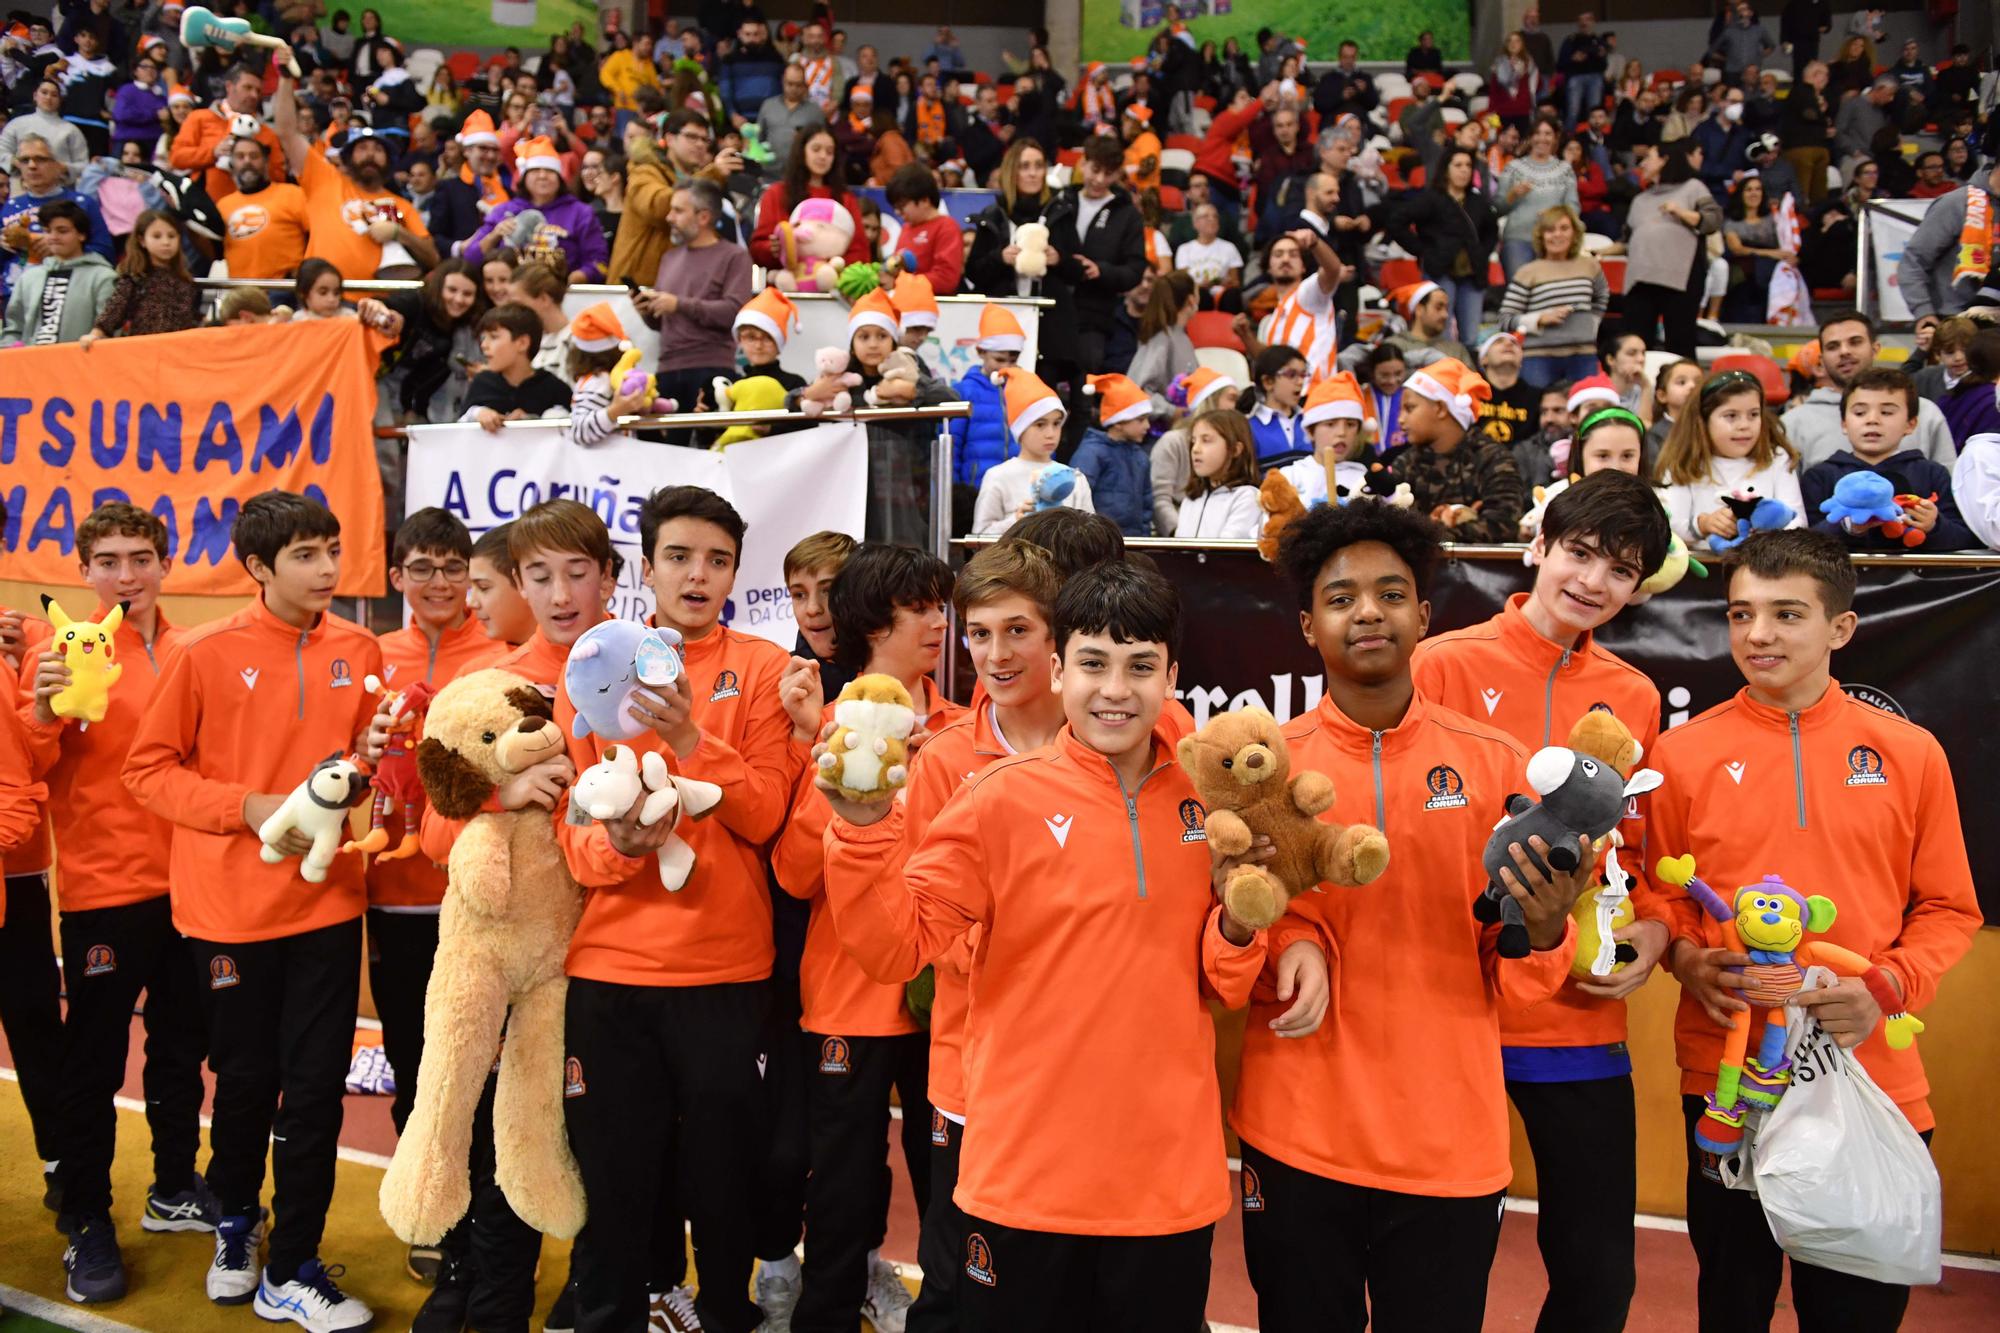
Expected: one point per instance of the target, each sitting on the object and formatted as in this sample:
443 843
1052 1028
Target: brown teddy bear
502 935
1241 771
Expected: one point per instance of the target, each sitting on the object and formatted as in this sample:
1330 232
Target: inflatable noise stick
200 28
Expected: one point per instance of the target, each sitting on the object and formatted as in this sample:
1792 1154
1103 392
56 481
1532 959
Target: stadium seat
1453 116
1173 199
422 63
1211 328
1069 157
1177 159
1777 388
1204 102
464 65
1469 84
1390 85
1228 361
1178 142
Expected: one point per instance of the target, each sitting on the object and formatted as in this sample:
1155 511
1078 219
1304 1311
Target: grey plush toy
1581 797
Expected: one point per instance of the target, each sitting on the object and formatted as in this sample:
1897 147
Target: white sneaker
777 1297
312 1301
234 1275
673 1312
887 1304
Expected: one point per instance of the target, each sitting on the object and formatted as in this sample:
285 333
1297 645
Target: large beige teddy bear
502 936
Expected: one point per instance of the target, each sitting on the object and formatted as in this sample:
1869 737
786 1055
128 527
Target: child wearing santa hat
1336 421
762 327
1465 482
1172 463
981 440
596 342
1112 456
916 313
1035 420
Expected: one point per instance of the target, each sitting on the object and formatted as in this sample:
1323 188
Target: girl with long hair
815 169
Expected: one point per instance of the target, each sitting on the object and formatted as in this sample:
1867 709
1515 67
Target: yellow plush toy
87 650
756 393
868 755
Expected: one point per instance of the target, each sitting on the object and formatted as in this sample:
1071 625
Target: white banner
786 487
1891 223
823 323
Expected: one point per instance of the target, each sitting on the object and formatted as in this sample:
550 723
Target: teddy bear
317 808
1031 246
610 663
811 243
868 755
396 783
1282 505
829 391
623 778
503 933
1241 770
756 393
898 386
87 648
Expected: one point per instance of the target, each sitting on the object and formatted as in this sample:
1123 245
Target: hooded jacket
1912 474
90 280
980 440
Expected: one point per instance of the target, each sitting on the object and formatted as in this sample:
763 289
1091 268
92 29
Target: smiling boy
1878 415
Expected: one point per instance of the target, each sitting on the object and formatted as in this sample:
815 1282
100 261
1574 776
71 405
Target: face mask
1733 112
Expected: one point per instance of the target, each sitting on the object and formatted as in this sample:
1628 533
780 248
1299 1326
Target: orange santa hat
1451 384
876 311
915 301
537 154
596 329
999 331
478 129
1338 397
1203 384
1407 297
1028 399
1119 399
770 310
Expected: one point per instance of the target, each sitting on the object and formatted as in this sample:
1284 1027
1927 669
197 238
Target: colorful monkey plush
1769 921
88 651
396 783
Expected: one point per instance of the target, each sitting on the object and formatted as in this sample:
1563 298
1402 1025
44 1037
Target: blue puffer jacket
981 440
1121 480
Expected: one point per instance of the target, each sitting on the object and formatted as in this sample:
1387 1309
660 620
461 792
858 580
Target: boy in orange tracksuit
242 711
1532 671
888 609
668 991
1865 814
1093 1170
1391 1208
117 926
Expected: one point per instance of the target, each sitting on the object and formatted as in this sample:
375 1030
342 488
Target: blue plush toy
1754 513
1861 499
1053 485
608 665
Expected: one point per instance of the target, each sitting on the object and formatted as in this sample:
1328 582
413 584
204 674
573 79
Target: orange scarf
1098 102
1975 239
930 121
492 190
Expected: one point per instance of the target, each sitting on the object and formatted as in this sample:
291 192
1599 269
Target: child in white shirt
1035 419
1724 444
1221 503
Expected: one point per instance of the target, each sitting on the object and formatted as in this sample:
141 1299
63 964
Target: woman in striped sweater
1555 302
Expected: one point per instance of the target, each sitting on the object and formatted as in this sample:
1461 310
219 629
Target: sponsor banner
188 426
785 487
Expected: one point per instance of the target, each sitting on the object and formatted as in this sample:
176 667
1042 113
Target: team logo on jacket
1253 1191
726 687
1447 788
834 1056
940 1129
98 960
1864 767
1491 698
1192 817
572 1077
979 1260
339 674
222 972
1734 768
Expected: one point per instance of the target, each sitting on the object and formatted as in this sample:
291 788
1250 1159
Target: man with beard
203 143
41 173
267 220
702 284
1847 347
480 183
354 220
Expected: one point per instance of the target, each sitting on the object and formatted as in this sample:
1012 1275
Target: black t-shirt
1513 414
534 395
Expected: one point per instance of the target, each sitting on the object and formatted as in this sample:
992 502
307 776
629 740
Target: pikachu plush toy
86 648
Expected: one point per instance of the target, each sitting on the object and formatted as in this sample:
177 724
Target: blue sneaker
191 1209
93 1267
312 1301
234 1275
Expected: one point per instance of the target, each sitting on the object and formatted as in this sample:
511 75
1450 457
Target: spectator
1142 148
568 231
1346 88
1725 144
816 170
201 147
541 289
1529 187
1302 310
41 183
1877 416
1766 157
139 111
703 283
1505 417
154 292
1463 481
1623 357
931 240
603 180
87 81
1935 276
988 131
1278 149
1582 62
339 39
370 44
1957 83
931 118
1164 353
1949 341
267 223
1848 346
392 97
1279 374
1750 239
1725 445
1420 123
1514 83
512 387
1912 75
1806 130
436 328
1931 182
390 239
1382 372
1221 497
481 184
1741 43
946 51
1665 273
1800 27
1975 483
1024 197
1424 57
888 152
1096 230
46 123
1859 120
752 72
319 292
782 117
1426 337
1852 71
1449 226
60 299
1532 456
624 74
1112 456
1673 388
1969 406
644 234
1171 467
1539 45
1593 190
1636 124
1208 259
444 95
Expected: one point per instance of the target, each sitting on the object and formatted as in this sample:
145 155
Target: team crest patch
572 1078
1864 767
98 960
834 1056
940 1129
726 687
222 972
1192 821
979 1260
342 674
1253 1191
1447 789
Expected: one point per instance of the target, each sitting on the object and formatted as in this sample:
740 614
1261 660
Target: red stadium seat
1210 328
1191 142
463 65
1069 157
1204 102
1399 273
1172 199
1767 371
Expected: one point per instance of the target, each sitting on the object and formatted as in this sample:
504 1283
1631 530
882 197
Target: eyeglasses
423 571
31 161
696 136
1295 373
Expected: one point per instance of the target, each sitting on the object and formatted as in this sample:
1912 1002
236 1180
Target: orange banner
189 426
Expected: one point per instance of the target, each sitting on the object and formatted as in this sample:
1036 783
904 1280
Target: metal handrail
713 420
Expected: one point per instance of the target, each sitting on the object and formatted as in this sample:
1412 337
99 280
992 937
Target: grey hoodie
1924 273
77 290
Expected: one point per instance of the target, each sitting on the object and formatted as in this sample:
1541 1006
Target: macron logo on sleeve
1059 826
249 675
1735 771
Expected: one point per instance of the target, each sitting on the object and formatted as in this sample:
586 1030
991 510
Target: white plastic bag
1845 1181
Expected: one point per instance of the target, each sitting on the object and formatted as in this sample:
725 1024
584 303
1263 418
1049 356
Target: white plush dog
317 808
610 788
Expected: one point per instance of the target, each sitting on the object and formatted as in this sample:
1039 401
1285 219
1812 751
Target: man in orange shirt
1867 815
1391 1208
1093 1170
669 991
203 146
266 220
244 708
118 934
1532 671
